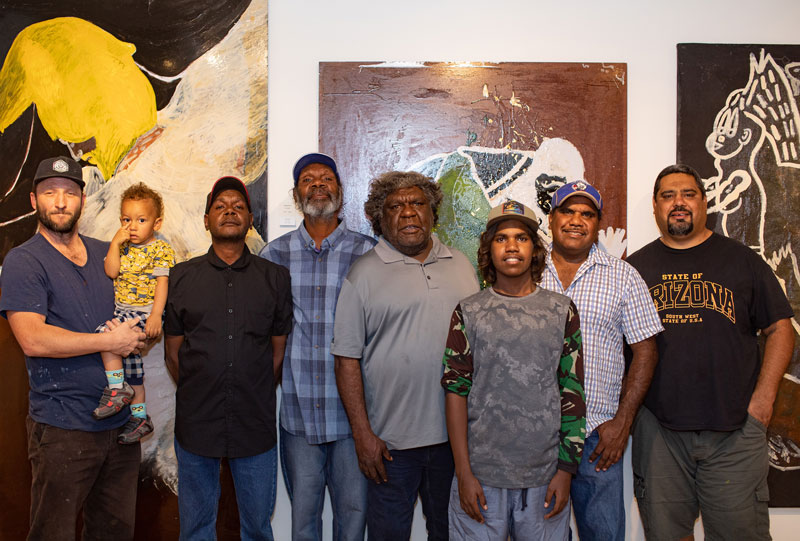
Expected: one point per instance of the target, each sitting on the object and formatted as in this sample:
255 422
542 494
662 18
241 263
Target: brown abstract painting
738 126
485 132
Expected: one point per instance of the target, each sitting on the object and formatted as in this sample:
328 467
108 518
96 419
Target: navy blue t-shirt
38 278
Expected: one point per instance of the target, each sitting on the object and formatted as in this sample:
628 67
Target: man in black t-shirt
699 442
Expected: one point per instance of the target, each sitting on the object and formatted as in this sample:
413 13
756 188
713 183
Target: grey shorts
518 513
722 475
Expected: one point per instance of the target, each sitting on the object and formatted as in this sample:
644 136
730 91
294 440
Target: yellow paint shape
84 83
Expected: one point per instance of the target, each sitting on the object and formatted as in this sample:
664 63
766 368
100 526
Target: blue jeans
427 471
597 498
307 469
254 479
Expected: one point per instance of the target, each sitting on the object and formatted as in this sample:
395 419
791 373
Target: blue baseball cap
577 187
314 157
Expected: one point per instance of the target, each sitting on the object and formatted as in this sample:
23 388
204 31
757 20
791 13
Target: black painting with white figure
738 121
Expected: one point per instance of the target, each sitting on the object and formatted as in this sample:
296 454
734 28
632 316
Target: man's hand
126 336
371 451
470 493
761 410
558 487
778 349
152 327
613 438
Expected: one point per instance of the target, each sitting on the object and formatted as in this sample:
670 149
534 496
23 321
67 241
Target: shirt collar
240 263
390 254
328 243
596 256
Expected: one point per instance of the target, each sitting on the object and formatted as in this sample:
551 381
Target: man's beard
680 229
321 209
48 223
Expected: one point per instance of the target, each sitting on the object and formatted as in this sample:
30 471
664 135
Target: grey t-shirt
393 314
514 404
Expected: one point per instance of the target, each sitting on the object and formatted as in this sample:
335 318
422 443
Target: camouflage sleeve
573 404
457 358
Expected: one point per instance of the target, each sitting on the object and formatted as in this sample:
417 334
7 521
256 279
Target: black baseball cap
61 167
227 183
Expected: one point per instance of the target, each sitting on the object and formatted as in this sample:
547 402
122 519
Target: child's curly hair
141 192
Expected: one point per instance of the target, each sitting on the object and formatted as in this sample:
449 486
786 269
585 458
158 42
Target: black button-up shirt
227 315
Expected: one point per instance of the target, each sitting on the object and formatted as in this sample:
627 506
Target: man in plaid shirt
613 301
316 444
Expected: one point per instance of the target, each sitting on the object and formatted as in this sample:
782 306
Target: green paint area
464 209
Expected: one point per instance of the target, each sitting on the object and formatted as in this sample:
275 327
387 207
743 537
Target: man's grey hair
388 183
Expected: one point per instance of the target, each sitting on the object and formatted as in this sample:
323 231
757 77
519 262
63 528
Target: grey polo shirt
393 314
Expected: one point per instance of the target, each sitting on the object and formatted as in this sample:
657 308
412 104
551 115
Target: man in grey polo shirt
389 334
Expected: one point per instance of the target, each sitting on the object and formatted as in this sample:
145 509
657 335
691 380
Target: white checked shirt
613 301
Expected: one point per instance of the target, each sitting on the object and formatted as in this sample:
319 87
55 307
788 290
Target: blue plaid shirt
310 404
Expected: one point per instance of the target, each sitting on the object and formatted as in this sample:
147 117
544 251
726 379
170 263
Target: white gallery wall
303 33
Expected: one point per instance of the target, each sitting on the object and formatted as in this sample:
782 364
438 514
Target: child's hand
152 327
470 494
122 235
558 493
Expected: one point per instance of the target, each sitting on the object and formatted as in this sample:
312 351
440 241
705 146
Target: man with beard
391 326
228 314
613 302
699 441
55 293
316 443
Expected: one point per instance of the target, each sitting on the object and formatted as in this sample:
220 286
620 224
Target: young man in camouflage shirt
516 414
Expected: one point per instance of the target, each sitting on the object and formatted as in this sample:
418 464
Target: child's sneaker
135 429
113 400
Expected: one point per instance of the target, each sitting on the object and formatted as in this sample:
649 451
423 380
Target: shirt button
230 284
316 377
316 317
318 288
230 337
317 405
316 346
230 364
429 277
230 310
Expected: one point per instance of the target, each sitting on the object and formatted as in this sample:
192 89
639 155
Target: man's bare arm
39 339
278 351
371 450
613 434
777 354
172 344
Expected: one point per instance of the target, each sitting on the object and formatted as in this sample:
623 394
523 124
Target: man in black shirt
699 441
227 316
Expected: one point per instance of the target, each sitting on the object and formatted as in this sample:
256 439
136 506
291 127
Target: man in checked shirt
613 301
316 444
